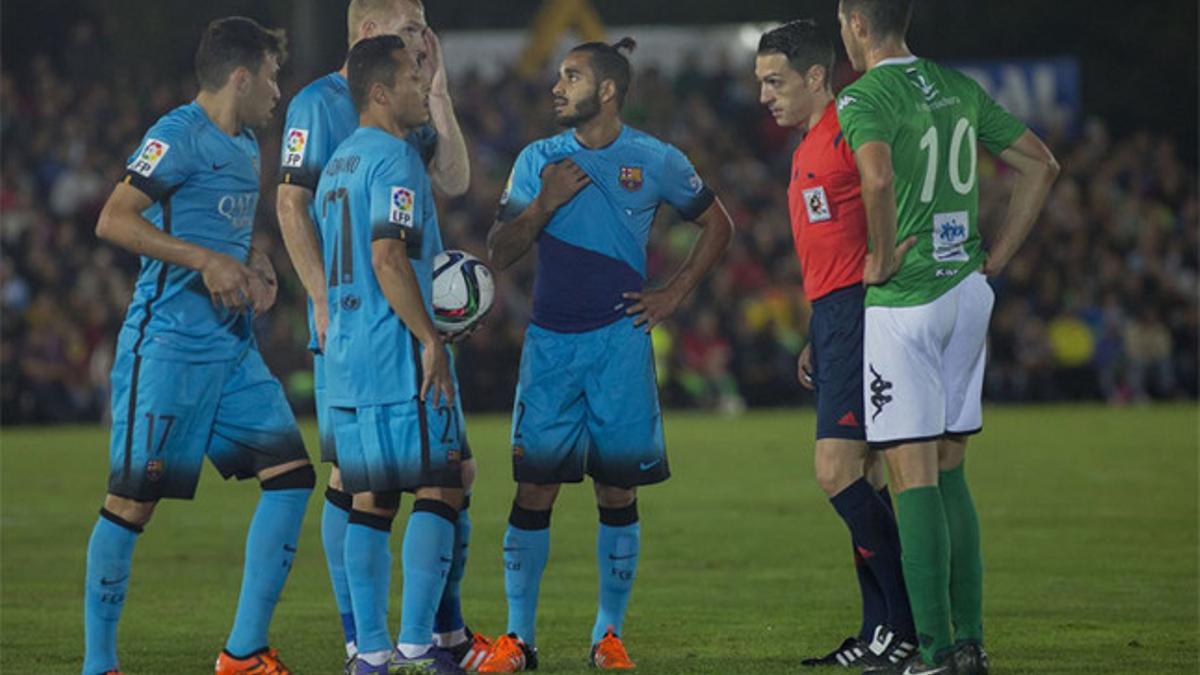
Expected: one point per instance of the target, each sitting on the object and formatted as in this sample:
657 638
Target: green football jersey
931 117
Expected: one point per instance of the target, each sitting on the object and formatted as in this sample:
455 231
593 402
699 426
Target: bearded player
188 380
794 68
319 118
587 401
913 126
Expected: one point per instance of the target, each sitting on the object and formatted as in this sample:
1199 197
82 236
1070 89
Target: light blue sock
617 545
334 517
449 613
369 578
526 550
270 548
427 553
109 559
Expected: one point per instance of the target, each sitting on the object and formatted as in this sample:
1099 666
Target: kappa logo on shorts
879 389
453 456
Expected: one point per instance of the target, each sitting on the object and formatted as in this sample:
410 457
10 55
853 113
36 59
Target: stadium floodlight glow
748 34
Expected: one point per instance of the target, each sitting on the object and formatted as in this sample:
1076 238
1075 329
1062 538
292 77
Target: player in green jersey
914 128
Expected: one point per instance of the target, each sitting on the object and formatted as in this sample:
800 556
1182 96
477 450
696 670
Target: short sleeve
306 143
863 119
998 128
524 183
681 186
424 140
396 206
162 162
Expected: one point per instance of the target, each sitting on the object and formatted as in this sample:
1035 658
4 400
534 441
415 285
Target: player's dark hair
888 18
372 61
609 63
804 44
234 42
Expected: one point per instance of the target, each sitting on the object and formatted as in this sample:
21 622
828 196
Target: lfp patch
293 151
631 178
152 153
401 211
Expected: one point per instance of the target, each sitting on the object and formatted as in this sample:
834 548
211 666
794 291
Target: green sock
966 558
925 556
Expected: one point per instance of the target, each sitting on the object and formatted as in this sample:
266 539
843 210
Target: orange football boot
263 663
476 651
610 654
509 654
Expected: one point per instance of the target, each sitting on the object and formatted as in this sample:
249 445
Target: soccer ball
462 291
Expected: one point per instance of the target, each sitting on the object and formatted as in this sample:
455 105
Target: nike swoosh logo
622 557
218 167
512 549
646 466
447 560
289 549
112 582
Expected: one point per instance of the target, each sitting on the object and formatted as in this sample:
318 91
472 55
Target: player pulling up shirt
587 400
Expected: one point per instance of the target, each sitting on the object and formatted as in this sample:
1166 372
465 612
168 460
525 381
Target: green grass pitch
1089 522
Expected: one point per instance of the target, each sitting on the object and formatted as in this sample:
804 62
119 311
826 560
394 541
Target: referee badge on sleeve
817 204
401 211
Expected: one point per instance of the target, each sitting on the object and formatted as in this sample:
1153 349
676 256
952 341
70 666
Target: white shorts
923 366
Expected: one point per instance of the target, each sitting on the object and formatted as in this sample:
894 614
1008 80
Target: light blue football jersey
594 247
204 184
374 186
319 118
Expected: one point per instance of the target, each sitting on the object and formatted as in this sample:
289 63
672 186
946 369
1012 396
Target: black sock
877 539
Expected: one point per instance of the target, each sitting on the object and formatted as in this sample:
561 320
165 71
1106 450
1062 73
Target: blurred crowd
1100 304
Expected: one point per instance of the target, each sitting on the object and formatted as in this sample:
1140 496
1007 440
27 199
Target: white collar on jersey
896 61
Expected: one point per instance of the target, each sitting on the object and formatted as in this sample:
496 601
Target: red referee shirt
829 225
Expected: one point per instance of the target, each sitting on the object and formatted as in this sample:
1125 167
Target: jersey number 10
929 142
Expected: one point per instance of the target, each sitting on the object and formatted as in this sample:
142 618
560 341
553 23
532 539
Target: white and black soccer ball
463 290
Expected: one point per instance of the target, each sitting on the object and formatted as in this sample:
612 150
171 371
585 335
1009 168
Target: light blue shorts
167 415
588 403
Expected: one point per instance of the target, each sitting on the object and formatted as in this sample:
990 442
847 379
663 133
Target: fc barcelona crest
631 178
154 469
